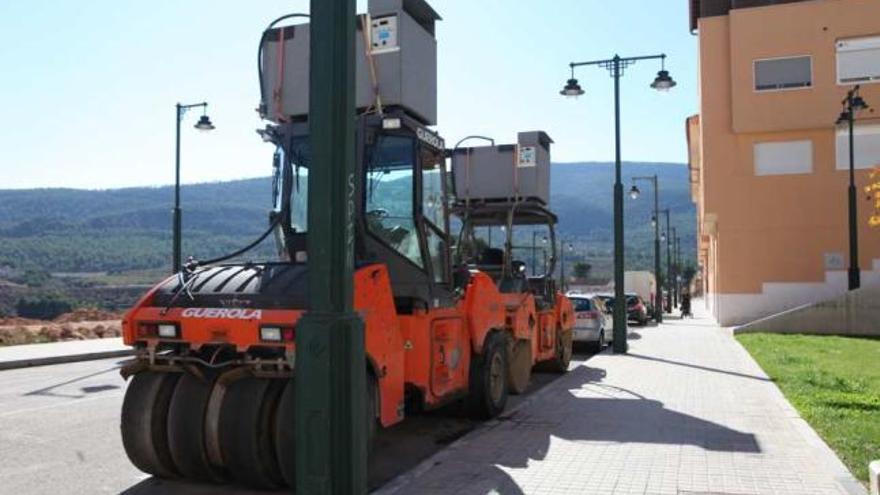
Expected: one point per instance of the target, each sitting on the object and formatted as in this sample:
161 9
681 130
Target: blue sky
87 89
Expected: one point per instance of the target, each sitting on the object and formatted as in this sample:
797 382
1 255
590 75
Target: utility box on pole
399 69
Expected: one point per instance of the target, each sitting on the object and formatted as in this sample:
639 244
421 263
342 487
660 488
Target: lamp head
204 124
634 193
663 81
843 118
858 103
572 89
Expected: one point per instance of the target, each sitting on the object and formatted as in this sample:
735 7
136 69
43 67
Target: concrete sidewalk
22 356
686 412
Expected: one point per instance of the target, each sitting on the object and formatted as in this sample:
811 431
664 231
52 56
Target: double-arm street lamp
204 124
658 292
663 82
852 104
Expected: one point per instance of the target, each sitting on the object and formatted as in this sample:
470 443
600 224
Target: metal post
854 270
619 345
534 255
668 263
330 414
562 265
674 267
176 223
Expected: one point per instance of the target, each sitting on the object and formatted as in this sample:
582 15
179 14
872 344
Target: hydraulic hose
191 265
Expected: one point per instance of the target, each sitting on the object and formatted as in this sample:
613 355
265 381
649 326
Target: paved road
59 433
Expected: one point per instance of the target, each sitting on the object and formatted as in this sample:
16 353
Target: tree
581 270
873 192
43 306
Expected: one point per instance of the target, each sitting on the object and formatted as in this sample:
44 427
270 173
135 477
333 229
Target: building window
783 73
784 158
867 146
858 60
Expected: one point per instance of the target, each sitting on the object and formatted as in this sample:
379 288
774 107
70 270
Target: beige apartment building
769 167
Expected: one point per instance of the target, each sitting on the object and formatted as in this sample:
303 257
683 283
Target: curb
398 482
70 358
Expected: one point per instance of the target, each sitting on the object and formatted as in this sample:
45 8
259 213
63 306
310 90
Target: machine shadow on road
608 414
51 391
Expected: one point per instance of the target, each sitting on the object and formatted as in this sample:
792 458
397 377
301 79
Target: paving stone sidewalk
686 412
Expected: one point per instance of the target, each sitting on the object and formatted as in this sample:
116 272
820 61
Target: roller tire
562 357
520 367
144 424
186 429
246 431
488 378
285 434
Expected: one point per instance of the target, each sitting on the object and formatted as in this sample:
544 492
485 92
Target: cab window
390 211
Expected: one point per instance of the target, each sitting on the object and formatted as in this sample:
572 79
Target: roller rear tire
564 343
520 368
488 378
144 422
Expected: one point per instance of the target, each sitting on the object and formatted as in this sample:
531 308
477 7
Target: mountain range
71 230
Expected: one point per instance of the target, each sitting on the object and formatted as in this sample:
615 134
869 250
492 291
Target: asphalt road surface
59 434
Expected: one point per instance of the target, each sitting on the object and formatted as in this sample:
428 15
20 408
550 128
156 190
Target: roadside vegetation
834 383
80 324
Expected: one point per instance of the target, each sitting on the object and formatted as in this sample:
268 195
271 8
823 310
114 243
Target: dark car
636 310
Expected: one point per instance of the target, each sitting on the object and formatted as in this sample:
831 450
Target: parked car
636 309
593 323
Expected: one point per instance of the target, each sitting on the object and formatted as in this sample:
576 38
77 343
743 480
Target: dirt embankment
81 324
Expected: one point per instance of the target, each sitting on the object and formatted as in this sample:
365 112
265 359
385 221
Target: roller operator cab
212 386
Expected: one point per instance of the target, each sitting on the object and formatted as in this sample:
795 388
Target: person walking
686 303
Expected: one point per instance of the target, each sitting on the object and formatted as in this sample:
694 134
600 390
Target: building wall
766 237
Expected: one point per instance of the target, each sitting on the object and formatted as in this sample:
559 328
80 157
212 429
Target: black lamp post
852 104
667 236
662 82
674 267
563 247
658 293
204 124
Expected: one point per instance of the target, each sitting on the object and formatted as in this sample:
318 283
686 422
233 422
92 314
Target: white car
593 323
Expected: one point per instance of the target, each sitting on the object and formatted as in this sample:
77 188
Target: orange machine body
429 350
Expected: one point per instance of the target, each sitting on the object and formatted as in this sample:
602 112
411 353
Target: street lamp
204 124
676 266
851 104
667 238
663 82
635 193
563 247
